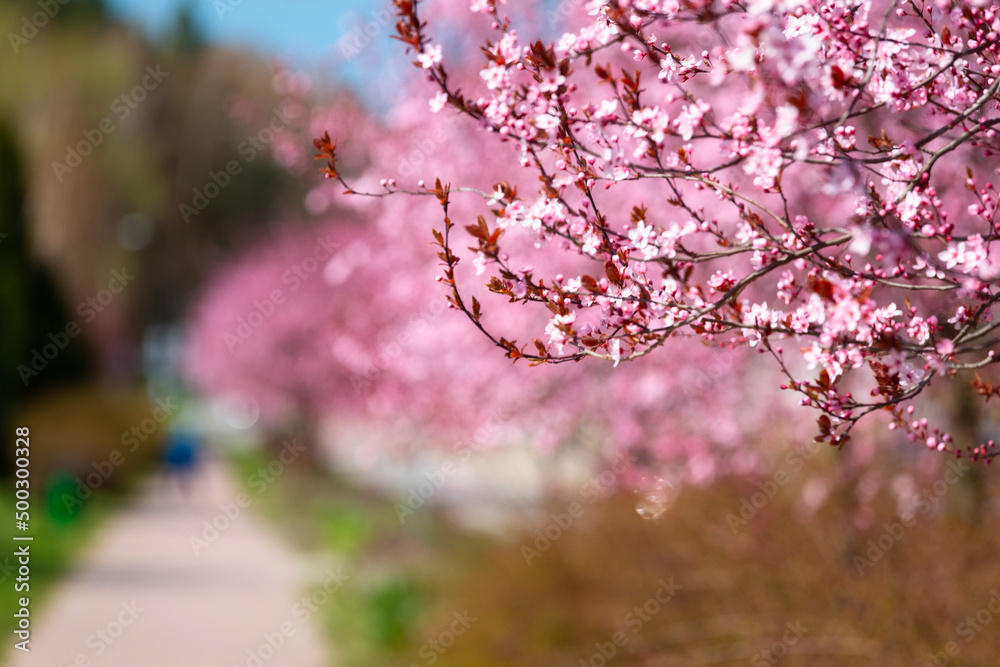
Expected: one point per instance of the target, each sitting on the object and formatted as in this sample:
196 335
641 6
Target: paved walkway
141 597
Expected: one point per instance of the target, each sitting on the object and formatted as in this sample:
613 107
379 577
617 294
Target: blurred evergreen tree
186 38
83 11
69 12
31 308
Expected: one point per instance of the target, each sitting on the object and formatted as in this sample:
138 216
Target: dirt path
143 597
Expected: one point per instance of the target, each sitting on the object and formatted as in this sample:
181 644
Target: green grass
55 547
375 613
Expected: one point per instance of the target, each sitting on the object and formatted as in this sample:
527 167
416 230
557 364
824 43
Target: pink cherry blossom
830 158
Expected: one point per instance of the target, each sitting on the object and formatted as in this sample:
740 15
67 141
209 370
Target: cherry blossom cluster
366 335
810 178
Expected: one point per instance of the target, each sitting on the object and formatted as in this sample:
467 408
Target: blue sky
303 31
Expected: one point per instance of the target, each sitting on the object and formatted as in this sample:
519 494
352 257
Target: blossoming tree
259 334
809 178
367 334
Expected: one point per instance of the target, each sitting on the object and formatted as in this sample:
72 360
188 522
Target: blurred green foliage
70 13
393 608
345 530
71 76
74 485
75 430
376 610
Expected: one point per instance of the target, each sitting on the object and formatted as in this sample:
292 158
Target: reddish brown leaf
614 275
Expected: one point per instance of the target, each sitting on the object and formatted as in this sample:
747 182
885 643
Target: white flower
430 57
438 101
479 261
546 122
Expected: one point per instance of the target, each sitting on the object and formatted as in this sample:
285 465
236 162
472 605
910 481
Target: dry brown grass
739 590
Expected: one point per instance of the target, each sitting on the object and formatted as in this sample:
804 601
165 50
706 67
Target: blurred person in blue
181 456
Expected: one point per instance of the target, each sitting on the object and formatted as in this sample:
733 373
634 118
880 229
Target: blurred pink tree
371 334
259 333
